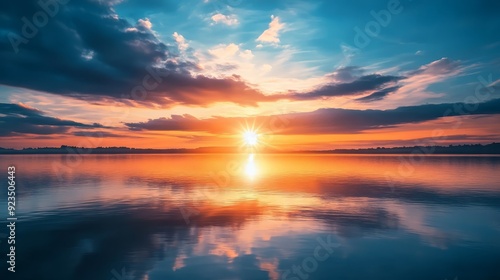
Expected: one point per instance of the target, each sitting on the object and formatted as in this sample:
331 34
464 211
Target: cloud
225 19
96 56
226 67
145 23
358 86
101 134
88 55
271 35
352 81
321 121
378 95
347 74
142 25
203 91
266 68
224 51
439 67
414 88
88 52
181 41
246 54
20 119
495 83
348 52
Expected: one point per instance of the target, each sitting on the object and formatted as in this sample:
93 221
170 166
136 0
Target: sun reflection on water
251 167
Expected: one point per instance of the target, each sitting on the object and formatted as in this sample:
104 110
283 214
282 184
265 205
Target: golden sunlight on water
251 167
277 179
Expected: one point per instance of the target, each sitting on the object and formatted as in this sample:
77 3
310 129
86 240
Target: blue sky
319 36
318 30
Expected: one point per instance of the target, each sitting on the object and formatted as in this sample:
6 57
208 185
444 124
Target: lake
254 216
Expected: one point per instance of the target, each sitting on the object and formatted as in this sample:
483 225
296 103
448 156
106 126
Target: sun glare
250 138
251 168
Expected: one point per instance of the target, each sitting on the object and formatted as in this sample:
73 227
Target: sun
250 138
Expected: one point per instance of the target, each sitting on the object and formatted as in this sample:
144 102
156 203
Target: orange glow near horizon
252 135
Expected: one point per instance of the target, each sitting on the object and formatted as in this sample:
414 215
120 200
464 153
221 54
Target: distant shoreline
468 149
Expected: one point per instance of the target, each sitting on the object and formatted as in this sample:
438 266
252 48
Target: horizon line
472 148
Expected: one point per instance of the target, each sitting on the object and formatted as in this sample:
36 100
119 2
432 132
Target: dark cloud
350 81
359 86
100 134
19 119
322 121
86 51
347 73
378 95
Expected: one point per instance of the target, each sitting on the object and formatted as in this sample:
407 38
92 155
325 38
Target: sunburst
251 138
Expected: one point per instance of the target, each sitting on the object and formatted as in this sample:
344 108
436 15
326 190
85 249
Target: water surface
255 217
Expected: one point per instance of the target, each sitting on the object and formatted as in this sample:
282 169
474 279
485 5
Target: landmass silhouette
493 148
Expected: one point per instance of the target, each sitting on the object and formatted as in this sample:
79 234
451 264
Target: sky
199 73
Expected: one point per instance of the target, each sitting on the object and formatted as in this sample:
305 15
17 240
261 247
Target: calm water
254 217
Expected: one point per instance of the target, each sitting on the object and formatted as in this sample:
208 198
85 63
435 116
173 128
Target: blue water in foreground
123 217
